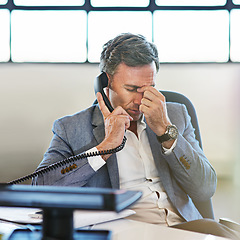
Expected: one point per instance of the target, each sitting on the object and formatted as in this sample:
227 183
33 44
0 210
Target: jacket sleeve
74 173
188 164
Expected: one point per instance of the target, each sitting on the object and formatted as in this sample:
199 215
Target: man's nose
138 98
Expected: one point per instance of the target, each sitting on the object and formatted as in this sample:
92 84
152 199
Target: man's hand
153 106
116 123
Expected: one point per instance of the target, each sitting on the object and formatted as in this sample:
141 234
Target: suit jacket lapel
99 133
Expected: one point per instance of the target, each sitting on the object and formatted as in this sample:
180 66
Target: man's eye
131 89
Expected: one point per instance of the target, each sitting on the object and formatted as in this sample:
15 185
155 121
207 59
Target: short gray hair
133 50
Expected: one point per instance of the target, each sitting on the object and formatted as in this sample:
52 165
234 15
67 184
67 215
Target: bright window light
48 36
191 2
236 2
192 36
5 35
49 2
2 2
117 22
235 35
119 3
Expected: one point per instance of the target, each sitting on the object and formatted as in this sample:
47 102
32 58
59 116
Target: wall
32 96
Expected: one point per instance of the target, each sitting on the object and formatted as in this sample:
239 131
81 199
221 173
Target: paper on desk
81 218
86 218
18 215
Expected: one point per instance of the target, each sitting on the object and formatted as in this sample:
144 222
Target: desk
122 229
125 229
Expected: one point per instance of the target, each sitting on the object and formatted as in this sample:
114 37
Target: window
118 22
236 2
192 36
49 2
48 36
5 35
2 2
235 36
75 30
190 2
120 3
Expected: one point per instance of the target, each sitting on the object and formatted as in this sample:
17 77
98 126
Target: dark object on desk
58 204
25 233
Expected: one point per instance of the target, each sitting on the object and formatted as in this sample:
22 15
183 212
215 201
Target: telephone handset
100 83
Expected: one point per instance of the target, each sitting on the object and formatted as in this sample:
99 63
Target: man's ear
109 80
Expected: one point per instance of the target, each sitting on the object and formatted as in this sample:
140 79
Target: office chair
205 208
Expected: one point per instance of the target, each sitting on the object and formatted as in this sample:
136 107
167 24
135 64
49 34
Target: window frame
151 7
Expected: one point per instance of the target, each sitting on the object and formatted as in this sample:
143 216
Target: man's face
124 84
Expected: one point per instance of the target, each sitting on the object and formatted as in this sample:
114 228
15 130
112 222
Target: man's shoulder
175 106
81 116
177 112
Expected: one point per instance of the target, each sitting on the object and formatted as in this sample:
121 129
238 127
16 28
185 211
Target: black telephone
101 81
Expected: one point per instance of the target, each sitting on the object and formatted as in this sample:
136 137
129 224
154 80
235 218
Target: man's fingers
151 97
150 92
102 105
147 88
146 102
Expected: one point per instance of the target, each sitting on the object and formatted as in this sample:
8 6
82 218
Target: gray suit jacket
186 174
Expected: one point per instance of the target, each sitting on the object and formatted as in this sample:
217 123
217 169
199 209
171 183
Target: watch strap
168 135
165 137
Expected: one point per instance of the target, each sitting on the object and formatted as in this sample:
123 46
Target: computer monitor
58 204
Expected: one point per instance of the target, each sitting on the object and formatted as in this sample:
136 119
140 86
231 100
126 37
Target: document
86 218
82 218
19 215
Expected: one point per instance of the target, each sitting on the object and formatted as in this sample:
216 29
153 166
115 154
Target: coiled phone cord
69 160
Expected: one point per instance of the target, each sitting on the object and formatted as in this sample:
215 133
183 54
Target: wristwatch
170 134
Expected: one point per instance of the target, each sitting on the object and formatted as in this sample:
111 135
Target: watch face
173 132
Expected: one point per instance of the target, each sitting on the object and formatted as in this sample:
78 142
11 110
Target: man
160 138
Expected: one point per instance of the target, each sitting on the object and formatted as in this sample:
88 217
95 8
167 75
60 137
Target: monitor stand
57 224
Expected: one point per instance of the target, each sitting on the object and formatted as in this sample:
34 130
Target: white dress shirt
137 171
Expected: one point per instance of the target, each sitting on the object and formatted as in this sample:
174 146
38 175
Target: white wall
32 96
